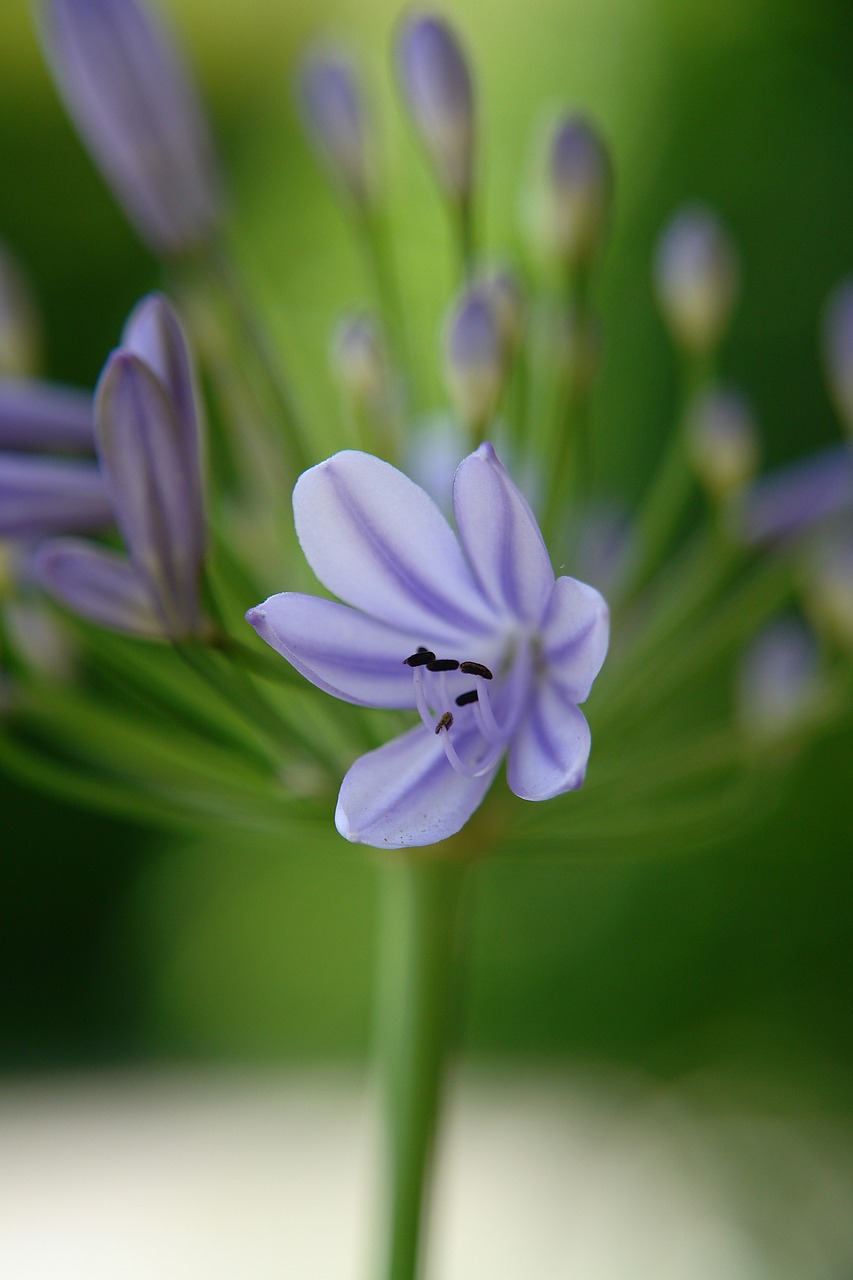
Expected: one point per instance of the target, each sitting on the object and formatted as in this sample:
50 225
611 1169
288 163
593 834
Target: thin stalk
421 907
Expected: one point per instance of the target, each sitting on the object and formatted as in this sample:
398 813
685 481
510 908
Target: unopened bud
335 117
779 681
475 364
722 441
580 189
436 83
20 340
360 363
696 279
828 588
508 299
838 350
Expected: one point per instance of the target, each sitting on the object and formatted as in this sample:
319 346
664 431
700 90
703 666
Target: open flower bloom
474 632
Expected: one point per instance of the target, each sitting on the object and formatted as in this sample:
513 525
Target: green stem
418 962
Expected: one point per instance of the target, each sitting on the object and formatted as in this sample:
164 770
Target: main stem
421 900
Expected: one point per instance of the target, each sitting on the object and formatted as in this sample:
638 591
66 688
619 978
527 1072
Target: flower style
473 632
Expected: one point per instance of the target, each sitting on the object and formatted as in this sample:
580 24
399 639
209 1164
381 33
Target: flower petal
406 794
790 501
550 749
101 585
501 537
381 544
575 636
338 649
39 416
42 496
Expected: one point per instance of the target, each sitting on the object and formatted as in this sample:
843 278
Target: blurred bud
795 499
333 110
360 363
436 83
580 190
722 441
39 639
130 97
504 287
578 351
40 497
838 350
828 588
474 356
42 416
100 585
696 279
779 682
20 337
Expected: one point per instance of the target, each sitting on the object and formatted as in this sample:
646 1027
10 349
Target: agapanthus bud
360 363
99 584
40 497
474 356
578 191
436 83
722 441
508 299
779 681
838 350
130 97
42 417
795 499
828 588
696 279
334 113
20 338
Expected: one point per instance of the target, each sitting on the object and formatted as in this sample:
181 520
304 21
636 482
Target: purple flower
334 113
473 632
130 97
40 497
149 446
797 498
43 417
436 84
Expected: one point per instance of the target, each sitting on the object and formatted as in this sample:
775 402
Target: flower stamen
419 659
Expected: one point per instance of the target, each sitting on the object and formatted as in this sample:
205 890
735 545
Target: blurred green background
118 945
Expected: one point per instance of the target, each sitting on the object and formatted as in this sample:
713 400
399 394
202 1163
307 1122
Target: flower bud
797 498
508 299
333 111
42 417
436 84
838 351
578 349
360 363
130 97
579 191
20 338
40 497
828 588
696 279
722 441
474 357
779 681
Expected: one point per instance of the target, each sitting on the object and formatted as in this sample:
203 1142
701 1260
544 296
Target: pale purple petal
100 585
550 749
790 501
142 454
130 97
501 537
377 541
43 417
340 650
40 497
155 334
406 794
575 636
334 113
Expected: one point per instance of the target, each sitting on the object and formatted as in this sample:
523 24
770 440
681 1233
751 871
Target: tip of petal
256 616
487 451
343 826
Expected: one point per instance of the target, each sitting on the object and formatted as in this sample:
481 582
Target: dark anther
465 699
445 722
419 659
476 669
443 664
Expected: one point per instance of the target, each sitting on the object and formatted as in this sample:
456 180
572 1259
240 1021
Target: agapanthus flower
469 628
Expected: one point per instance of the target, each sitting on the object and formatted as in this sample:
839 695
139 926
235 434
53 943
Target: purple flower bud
360 362
40 497
828 588
474 356
696 278
131 99
44 417
778 681
507 297
838 350
579 191
333 110
722 441
20 339
436 84
795 499
155 488
101 585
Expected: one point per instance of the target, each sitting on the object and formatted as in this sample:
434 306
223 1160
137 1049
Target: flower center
433 698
